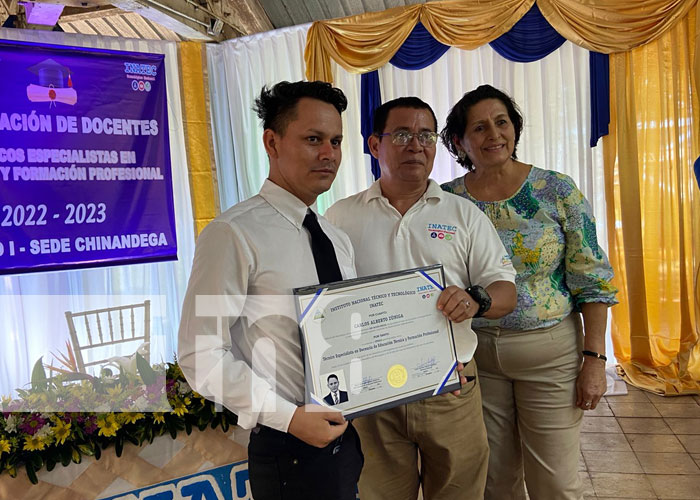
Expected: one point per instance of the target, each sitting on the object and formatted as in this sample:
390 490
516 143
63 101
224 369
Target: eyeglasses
401 138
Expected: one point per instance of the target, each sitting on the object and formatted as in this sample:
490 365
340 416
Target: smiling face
304 159
411 163
489 136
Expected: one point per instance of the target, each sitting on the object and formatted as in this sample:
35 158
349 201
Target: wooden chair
99 329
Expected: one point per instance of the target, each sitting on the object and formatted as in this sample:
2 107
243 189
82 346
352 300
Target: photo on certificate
376 342
337 389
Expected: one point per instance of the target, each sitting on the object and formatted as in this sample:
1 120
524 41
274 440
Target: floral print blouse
548 229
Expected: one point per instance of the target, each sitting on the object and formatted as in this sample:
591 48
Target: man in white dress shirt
239 340
405 220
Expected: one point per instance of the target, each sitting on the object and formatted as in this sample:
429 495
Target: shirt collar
289 206
434 191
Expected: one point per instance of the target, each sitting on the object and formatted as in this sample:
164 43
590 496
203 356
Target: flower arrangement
48 424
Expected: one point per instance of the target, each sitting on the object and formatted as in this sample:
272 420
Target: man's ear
373 143
270 142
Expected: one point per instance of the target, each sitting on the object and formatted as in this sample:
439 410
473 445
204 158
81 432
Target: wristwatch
482 297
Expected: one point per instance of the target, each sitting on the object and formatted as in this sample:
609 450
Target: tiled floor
642 446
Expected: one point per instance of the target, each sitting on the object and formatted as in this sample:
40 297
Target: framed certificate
376 342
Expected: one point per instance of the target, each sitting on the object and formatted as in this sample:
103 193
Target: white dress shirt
440 228
247 261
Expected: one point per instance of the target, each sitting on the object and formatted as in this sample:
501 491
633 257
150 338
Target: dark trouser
281 467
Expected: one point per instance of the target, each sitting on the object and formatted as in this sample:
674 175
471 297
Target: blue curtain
599 65
419 51
530 39
371 98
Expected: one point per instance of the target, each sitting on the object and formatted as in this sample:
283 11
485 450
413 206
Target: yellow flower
4 446
180 409
32 443
130 418
108 425
61 431
158 417
115 392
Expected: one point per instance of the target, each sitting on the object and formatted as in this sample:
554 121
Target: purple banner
85 176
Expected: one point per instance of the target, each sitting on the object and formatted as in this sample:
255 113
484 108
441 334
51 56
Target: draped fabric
609 26
371 99
204 199
600 95
653 210
366 42
32 306
419 51
238 69
530 39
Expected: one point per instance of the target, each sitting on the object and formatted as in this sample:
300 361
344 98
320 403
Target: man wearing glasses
405 220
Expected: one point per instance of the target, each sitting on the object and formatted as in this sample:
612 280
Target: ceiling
175 20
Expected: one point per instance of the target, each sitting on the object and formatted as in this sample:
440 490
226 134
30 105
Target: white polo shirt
440 228
252 255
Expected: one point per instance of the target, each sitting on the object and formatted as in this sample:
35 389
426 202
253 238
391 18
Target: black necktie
322 248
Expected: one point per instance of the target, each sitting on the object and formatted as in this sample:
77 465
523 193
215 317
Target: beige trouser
448 431
528 382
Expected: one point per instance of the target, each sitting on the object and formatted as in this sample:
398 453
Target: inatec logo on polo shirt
443 232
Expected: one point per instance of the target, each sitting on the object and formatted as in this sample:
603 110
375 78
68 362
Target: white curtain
553 94
238 69
32 306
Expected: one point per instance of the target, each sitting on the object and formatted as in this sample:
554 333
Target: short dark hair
456 122
276 106
381 114
332 375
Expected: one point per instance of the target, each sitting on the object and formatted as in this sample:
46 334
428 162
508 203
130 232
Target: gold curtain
654 210
613 25
368 41
197 136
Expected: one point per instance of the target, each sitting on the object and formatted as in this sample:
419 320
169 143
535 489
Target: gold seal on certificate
376 342
397 376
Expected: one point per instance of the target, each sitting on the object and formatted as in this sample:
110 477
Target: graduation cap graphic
55 84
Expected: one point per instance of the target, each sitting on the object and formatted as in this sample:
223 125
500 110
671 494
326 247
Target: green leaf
171 428
76 456
119 445
36 461
39 380
66 455
148 374
87 449
31 473
50 464
70 377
